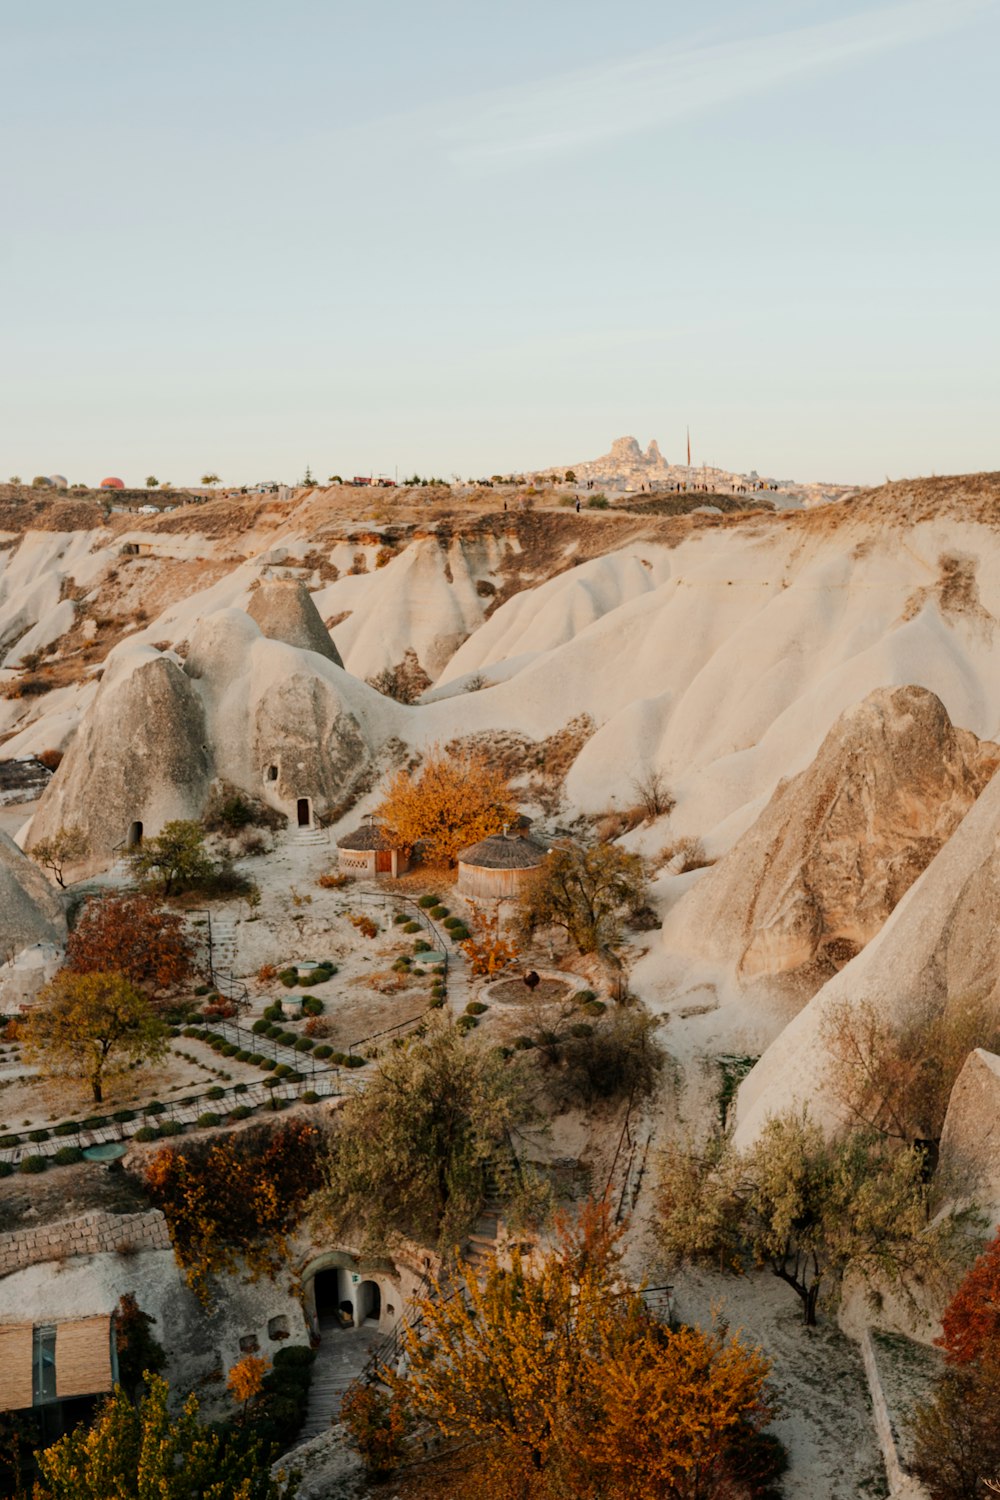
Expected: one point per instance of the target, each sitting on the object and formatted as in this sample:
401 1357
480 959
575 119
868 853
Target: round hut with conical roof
497 867
370 850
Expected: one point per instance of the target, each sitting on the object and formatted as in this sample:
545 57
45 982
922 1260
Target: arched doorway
333 1307
369 1302
303 810
134 837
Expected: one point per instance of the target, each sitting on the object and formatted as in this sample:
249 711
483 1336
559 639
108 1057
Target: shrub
242 1056
460 935
30 1165
259 1027
523 1043
594 1007
400 916
203 989
282 1070
156 1108
428 901
354 1061
267 1063
597 502
304 1044
422 946
438 912
208 1118
94 1122
335 882
66 1156
273 1011
435 1002
453 922
171 1127
145 1133
241 1112
287 1038
312 1006
475 1008
582 996
38 1135
6 1168
310 1097
123 1116
466 1023
323 1050
216 1091
68 1127
289 978
411 927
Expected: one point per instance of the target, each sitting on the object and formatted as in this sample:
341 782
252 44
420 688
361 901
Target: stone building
370 850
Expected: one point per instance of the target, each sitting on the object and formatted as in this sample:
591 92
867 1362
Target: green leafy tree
570 476
810 1210
144 1452
91 1026
586 893
67 846
151 482
414 1152
14 479
335 479
210 479
175 858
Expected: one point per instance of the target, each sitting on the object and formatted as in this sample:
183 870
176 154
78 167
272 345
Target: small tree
653 794
570 476
246 1381
210 479
489 951
91 1026
550 1378
152 482
810 1209
415 1150
143 1451
133 936
67 846
454 800
956 1432
586 893
970 1328
175 858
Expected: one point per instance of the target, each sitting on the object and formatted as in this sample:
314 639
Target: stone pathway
340 1359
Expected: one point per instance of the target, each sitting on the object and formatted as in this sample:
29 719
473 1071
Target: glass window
44 1353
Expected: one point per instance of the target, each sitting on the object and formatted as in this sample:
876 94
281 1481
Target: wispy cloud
571 111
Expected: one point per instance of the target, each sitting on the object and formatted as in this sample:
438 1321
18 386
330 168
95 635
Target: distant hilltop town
625 467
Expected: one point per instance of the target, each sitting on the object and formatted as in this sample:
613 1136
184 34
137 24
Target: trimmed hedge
427 901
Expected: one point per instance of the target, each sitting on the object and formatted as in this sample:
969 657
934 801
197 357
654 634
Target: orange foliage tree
970 1327
489 951
246 1380
233 1202
131 936
453 800
549 1377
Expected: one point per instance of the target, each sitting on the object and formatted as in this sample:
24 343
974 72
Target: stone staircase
309 836
340 1359
484 1238
224 942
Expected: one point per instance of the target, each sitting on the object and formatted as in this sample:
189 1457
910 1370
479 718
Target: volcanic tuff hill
770 665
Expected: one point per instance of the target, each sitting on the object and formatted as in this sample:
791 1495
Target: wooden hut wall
490 885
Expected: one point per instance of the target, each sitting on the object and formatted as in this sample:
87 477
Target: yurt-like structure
496 868
370 850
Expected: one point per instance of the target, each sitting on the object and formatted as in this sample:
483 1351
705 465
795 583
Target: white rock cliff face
816 876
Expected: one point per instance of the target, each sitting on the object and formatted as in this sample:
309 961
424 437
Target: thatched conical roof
502 852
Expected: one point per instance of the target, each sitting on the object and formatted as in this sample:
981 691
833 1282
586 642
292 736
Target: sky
464 238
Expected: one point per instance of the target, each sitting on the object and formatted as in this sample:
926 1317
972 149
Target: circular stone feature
516 992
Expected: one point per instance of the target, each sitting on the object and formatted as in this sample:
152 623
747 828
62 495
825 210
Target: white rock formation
969 1161
815 877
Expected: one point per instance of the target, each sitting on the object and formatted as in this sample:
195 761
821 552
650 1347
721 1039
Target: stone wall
902 1485
91 1234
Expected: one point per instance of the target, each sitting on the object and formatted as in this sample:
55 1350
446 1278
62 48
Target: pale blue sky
246 236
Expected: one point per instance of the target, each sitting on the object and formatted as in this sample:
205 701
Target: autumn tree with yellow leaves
455 799
546 1376
489 950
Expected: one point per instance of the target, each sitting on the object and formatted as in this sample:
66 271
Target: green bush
466 1023
597 502
453 922
240 1088
354 1061
145 1133
123 1116
460 934
523 1043
192 1031
67 1156
312 1006
282 1070
304 1044
240 1112
171 1127
400 916
6 1169
267 1063
67 1127
429 900
594 1007
94 1122
156 1108
209 1117
289 978
242 1056
475 1008
261 1025
435 1002
582 996
437 912
255 1058
411 927
215 1092
287 1038
273 1011
323 1050
310 1097
202 989
38 1135
30 1165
